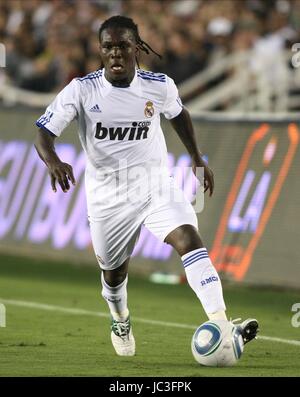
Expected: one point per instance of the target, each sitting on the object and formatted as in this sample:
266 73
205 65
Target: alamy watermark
2 56
137 184
296 317
2 315
296 56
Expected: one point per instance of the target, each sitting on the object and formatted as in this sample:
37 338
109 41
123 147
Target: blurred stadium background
237 66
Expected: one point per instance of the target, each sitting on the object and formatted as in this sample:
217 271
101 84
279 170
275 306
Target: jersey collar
108 86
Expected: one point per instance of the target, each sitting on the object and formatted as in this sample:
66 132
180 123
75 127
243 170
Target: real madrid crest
149 109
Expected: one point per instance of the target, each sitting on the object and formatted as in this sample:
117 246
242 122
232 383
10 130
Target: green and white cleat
122 337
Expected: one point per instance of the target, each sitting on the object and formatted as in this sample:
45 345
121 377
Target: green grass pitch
60 340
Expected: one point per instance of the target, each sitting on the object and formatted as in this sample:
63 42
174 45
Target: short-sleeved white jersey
118 127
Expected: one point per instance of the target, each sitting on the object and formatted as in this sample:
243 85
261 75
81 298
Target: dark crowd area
49 42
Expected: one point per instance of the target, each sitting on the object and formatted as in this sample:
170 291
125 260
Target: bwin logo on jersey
138 130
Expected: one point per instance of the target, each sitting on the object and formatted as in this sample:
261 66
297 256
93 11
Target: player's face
117 51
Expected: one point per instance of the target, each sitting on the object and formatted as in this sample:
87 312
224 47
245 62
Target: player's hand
208 175
63 174
209 182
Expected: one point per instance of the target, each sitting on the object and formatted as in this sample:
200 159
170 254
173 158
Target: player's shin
116 298
205 282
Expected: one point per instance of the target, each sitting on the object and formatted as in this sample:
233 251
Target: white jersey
118 127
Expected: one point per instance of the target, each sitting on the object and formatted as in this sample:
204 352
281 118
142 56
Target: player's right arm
57 117
59 172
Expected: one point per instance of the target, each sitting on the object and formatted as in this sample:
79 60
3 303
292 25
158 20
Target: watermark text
296 56
296 317
2 56
2 315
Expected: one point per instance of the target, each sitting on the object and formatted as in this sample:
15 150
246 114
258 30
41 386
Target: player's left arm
184 127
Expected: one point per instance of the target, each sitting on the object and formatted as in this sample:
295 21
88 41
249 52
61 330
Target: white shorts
115 233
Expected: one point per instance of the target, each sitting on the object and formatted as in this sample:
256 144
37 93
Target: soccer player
118 112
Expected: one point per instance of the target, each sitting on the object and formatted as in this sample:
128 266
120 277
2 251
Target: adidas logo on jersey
137 131
95 109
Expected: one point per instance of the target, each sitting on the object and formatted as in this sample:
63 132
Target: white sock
220 315
116 298
205 282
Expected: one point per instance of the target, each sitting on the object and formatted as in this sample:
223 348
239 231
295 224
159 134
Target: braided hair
120 21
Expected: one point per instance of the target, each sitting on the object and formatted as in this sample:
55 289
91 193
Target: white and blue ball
217 343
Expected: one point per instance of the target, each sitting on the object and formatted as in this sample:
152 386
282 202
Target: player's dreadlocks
119 21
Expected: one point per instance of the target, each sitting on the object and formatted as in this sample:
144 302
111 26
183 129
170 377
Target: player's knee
114 277
186 245
186 239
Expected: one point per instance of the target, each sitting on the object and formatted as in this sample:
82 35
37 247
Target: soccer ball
217 343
